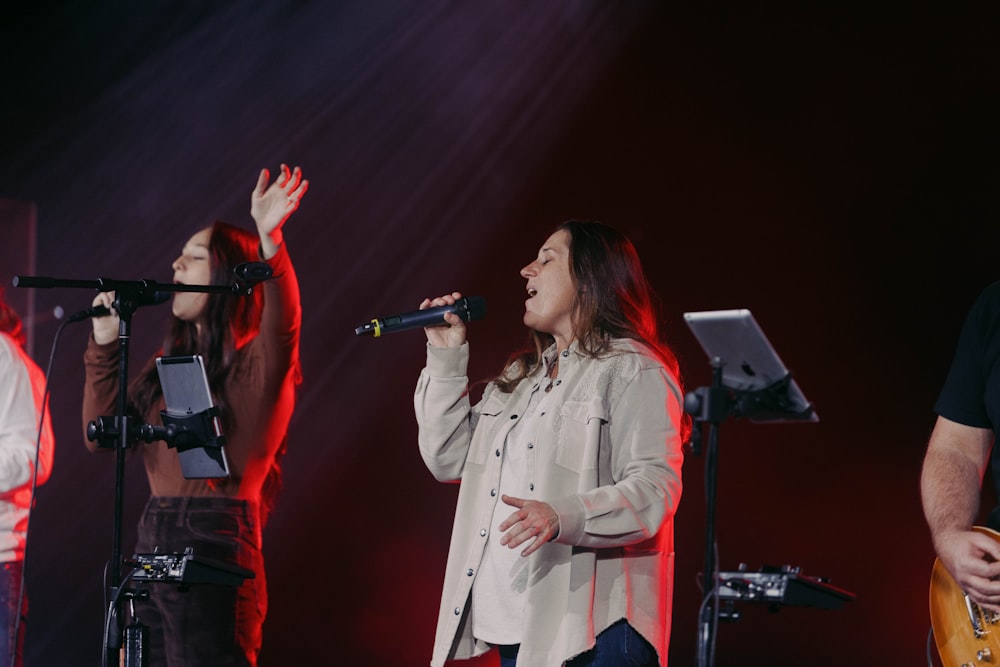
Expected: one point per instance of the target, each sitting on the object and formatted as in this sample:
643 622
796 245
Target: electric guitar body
966 635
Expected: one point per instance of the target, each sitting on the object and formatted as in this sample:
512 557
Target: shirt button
541 414
458 611
558 382
498 452
469 572
531 487
531 445
565 353
493 492
513 416
482 533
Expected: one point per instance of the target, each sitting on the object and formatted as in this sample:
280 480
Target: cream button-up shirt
607 457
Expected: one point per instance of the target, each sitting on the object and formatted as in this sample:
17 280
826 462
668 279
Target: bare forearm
956 460
950 490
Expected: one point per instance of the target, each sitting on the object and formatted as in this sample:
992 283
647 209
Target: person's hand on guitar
956 460
973 559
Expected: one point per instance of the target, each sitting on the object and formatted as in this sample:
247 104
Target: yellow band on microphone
378 329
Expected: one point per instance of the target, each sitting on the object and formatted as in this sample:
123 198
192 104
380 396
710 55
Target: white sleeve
18 419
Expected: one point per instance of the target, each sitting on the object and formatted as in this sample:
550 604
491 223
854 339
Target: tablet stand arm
184 432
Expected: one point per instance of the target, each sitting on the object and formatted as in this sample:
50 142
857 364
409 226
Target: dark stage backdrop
834 172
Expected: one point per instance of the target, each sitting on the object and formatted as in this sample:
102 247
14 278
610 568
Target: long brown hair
229 322
613 300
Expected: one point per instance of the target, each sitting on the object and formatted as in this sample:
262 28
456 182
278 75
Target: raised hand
271 205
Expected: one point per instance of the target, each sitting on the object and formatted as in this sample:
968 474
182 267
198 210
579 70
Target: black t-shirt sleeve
963 397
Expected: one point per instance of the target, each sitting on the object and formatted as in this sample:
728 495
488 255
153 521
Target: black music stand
750 381
118 431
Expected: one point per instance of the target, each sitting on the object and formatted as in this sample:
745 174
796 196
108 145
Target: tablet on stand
189 406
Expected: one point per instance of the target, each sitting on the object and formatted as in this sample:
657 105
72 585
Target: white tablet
749 362
186 393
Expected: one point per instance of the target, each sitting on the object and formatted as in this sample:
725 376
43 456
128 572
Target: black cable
112 606
706 649
706 644
31 496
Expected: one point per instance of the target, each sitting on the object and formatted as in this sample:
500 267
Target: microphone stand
129 296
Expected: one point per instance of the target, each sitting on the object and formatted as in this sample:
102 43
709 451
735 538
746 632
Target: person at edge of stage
22 397
960 452
570 468
250 346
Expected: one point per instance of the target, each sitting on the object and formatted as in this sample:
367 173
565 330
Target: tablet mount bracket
200 429
716 403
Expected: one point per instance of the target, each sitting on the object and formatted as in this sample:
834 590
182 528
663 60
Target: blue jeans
10 586
618 646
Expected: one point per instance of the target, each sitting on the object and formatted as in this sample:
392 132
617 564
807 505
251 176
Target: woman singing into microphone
251 350
570 468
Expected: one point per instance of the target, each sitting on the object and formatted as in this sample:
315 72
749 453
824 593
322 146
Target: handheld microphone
153 299
468 308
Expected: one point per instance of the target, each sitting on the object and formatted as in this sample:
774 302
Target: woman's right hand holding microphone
449 336
106 327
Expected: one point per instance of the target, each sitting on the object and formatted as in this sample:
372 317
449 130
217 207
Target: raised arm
271 206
